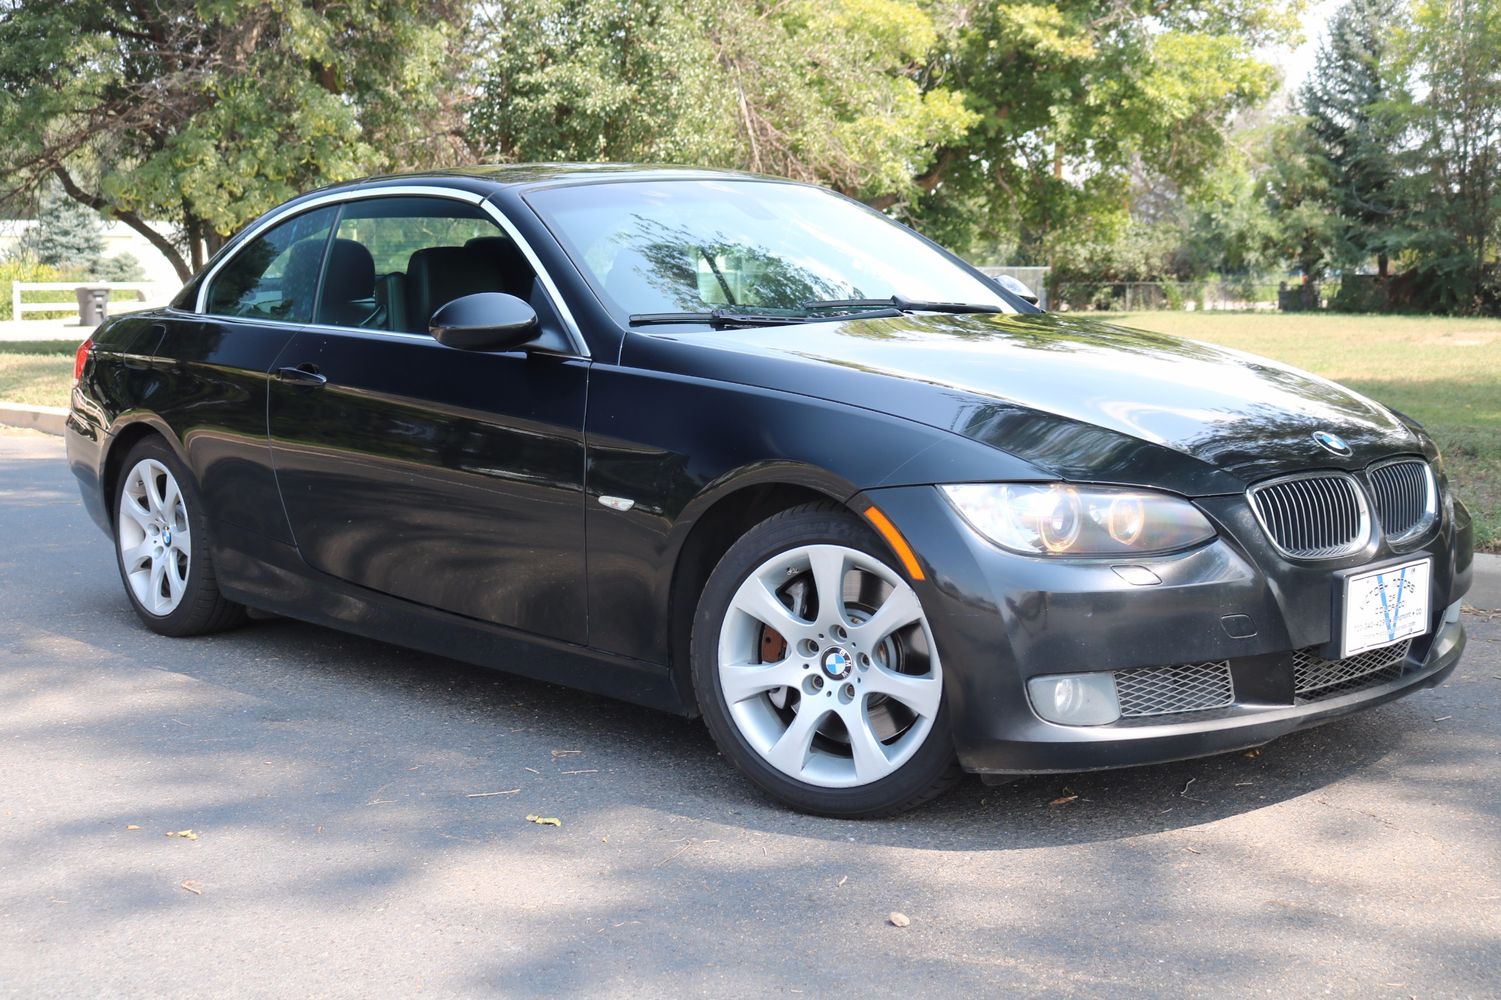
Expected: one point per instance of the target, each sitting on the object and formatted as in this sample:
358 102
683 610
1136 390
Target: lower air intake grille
1188 687
1316 677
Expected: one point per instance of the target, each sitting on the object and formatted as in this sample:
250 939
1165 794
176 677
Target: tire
162 546
834 707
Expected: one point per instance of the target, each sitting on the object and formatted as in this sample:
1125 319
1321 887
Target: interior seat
438 275
349 287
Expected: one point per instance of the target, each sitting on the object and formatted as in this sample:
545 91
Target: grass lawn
1444 372
38 373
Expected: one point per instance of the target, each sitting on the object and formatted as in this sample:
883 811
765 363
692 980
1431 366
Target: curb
1485 585
47 419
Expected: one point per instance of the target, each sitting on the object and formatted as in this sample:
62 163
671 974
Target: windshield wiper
904 304
718 318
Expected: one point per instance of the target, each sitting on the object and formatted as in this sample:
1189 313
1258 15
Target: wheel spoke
921 694
869 755
746 680
153 491
170 496
790 752
828 565
131 509
898 611
756 599
175 581
135 555
154 584
182 541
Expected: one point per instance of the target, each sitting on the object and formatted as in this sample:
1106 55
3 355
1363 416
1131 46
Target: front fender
674 446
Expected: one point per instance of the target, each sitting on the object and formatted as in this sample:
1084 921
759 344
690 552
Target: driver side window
275 277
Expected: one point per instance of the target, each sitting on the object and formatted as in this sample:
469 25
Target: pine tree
1355 139
66 235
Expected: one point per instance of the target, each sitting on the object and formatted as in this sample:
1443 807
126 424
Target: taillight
80 358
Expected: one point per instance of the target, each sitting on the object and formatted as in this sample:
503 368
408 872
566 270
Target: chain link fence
1225 294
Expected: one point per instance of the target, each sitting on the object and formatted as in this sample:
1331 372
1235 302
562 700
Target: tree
818 90
1305 232
66 234
201 114
1347 101
1453 229
1074 95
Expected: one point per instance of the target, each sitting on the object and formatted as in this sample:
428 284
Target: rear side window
275 277
394 261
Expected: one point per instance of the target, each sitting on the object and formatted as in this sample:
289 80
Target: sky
1296 63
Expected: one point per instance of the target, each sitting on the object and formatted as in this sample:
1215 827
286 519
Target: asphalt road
358 834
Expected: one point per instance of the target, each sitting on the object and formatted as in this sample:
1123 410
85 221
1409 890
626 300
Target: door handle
306 375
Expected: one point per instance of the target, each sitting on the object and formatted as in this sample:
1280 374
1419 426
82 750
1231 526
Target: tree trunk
98 204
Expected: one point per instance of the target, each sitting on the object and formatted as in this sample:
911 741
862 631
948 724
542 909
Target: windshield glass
744 246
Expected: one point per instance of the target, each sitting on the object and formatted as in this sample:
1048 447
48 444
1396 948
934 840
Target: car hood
1075 398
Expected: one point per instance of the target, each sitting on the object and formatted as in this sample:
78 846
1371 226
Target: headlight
1058 519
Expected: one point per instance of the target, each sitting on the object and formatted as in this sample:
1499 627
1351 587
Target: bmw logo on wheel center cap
837 664
1331 442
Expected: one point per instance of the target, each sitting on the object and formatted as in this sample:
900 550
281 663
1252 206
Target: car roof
489 178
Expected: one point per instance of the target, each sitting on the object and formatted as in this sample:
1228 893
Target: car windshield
712 249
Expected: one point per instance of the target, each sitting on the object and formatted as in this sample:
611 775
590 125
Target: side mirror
1016 287
484 321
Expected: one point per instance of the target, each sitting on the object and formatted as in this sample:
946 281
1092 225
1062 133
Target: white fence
18 309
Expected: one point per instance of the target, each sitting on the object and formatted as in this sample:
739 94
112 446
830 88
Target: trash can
93 304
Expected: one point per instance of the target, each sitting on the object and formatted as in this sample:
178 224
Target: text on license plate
1383 606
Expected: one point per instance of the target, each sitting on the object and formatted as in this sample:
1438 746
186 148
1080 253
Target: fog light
1075 699
1451 613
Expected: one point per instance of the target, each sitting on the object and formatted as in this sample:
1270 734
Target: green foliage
1452 231
1353 130
205 113
1072 96
23 269
120 267
816 90
66 234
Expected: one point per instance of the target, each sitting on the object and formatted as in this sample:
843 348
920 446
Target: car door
213 366
450 478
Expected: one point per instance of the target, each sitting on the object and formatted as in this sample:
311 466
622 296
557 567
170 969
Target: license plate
1383 606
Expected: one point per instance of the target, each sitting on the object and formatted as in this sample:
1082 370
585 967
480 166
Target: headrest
350 274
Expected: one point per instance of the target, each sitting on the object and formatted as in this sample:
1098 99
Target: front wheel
817 672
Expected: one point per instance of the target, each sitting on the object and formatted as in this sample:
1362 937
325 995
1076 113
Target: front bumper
1001 619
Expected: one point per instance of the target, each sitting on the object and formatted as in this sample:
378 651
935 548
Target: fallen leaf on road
1251 754
898 919
1063 800
544 820
184 834
196 888
132 827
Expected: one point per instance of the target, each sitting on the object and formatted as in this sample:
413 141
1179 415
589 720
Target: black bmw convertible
743 448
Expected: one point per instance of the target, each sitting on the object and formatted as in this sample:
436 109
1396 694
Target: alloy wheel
828 667
154 538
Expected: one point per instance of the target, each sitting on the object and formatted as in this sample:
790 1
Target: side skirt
270 576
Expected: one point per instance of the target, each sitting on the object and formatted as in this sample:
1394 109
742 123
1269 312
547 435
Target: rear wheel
817 671
161 546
